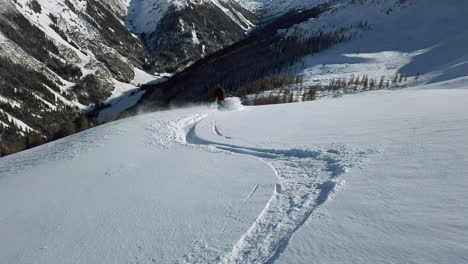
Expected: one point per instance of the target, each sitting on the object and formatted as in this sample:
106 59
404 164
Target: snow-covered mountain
60 57
337 41
179 32
79 54
362 176
420 39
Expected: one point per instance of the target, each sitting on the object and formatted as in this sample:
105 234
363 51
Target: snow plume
232 104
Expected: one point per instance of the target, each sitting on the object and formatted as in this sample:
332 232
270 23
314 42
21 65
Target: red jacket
219 94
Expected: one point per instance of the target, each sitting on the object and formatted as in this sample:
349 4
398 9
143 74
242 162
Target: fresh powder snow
374 177
366 178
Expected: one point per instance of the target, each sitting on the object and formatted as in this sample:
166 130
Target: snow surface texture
199 185
307 178
147 202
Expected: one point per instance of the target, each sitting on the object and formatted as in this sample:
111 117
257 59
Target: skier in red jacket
220 95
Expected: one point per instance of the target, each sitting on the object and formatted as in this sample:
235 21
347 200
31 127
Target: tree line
292 89
13 141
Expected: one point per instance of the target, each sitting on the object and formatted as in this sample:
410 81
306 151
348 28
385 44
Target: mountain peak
179 32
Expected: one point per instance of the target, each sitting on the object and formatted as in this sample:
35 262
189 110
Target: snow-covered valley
366 178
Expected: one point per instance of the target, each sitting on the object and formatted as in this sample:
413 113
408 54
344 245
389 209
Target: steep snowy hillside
179 32
423 40
60 57
377 177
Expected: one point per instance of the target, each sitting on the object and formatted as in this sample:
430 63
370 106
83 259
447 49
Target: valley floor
377 177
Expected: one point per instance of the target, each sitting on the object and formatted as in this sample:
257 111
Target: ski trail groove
251 193
218 132
308 177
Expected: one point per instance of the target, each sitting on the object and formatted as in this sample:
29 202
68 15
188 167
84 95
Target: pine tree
381 82
2 151
83 123
67 129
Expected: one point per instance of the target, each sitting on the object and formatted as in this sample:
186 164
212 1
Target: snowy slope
139 199
409 204
407 37
373 177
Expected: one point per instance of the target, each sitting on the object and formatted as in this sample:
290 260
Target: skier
220 95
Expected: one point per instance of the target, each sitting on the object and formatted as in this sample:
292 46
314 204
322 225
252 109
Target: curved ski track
307 179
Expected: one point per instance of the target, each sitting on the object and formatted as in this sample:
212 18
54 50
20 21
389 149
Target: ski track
308 178
218 133
251 193
165 133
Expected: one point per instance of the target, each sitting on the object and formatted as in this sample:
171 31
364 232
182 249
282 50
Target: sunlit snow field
365 178
373 177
